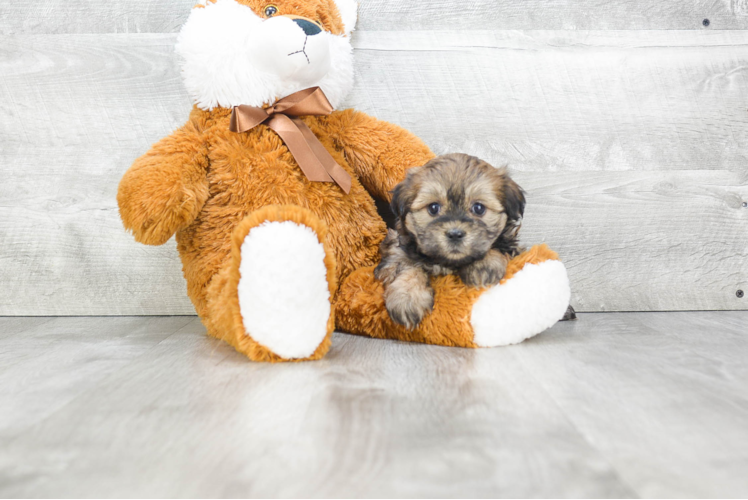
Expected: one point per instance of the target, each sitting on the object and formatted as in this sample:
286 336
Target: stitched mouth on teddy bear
293 48
310 28
302 51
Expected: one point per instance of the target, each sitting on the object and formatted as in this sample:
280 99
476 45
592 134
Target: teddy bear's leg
532 297
272 300
532 300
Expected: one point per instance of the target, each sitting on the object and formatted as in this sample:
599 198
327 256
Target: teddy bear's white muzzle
283 48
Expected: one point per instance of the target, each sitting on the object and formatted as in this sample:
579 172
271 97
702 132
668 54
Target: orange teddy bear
269 189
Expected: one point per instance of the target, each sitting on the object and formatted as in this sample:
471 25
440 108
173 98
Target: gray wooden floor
612 405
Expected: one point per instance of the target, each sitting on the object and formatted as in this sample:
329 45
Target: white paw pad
283 291
532 301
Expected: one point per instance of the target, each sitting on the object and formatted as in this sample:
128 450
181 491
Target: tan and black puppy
455 215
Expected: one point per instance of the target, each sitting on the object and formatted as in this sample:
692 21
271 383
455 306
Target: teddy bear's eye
271 10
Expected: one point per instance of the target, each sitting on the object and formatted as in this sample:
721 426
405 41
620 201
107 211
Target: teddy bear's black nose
309 27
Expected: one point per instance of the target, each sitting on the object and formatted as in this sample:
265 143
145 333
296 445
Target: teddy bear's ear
347 9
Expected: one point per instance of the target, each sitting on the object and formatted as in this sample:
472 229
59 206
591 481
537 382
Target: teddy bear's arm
165 189
378 151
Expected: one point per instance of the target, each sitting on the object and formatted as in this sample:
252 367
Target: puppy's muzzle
455 234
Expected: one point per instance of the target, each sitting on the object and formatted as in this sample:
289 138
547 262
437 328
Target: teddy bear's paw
283 291
533 300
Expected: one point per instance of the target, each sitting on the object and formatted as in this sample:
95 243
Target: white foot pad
532 301
283 292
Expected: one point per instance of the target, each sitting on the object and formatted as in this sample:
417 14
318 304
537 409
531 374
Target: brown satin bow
282 117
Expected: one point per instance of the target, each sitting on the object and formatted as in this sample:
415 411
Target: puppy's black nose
309 27
455 234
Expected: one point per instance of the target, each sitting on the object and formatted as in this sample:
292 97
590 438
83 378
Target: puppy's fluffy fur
455 215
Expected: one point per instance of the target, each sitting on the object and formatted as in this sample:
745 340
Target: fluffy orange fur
359 305
207 184
224 319
210 187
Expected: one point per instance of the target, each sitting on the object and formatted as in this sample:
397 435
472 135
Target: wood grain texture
391 15
644 241
45 365
612 405
630 144
650 390
15 325
166 16
565 101
64 250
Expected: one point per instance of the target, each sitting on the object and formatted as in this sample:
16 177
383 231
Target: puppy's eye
478 209
271 10
434 209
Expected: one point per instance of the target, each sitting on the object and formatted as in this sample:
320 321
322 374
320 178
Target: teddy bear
269 188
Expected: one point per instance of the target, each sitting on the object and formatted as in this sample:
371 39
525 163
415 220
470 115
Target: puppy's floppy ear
404 194
514 197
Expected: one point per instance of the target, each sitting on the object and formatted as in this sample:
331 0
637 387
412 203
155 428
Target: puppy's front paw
411 311
409 299
486 272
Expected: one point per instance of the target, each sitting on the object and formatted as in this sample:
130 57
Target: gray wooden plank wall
626 122
166 16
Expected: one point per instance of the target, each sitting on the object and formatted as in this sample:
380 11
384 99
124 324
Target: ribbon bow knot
283 118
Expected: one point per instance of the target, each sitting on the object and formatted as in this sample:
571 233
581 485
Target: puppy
455 215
